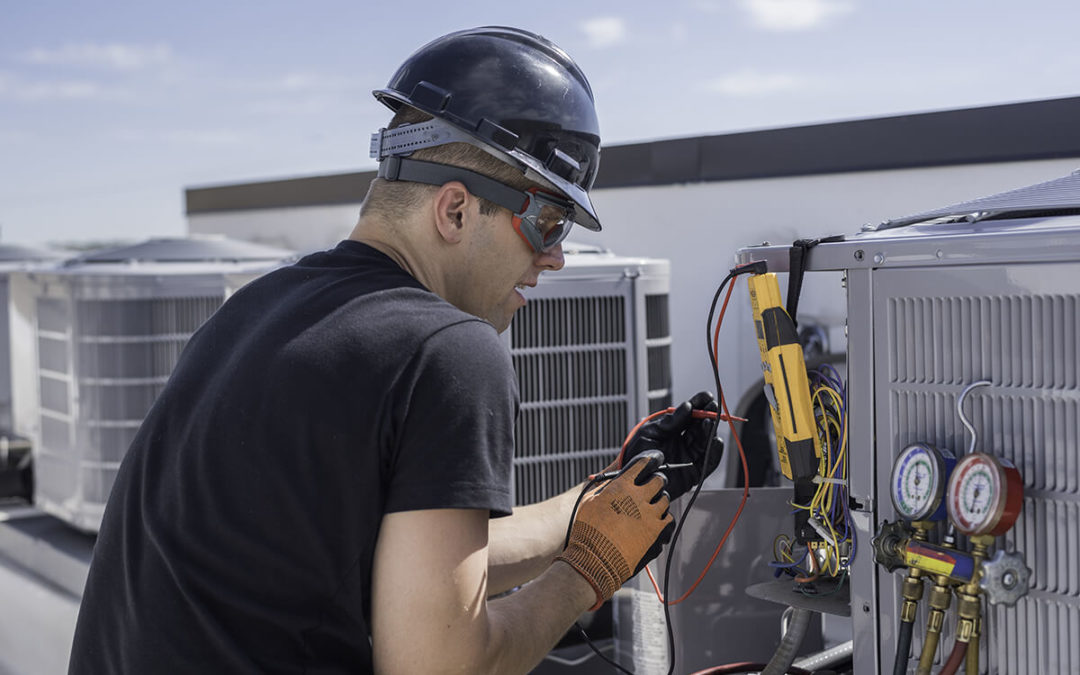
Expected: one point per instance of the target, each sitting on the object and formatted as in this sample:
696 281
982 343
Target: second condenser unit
592 351
94 341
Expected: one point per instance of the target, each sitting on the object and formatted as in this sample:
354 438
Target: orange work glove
620 526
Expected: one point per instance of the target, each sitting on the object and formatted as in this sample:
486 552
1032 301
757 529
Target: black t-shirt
240 532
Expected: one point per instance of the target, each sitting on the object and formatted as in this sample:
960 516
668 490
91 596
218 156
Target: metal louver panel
108 332
589 351
570 321
1015 340
125 352
572 360
658 341
1028 346
102 363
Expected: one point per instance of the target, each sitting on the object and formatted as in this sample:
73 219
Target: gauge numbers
985 494
918 482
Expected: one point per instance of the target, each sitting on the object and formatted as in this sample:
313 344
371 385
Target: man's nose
552 258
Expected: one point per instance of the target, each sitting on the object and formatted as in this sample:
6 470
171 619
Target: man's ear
451 209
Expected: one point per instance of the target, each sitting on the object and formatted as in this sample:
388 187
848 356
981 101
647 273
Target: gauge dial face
977 494
917 482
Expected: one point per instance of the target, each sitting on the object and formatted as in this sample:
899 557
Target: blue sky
109 109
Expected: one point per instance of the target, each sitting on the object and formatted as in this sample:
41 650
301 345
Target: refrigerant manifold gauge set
979 496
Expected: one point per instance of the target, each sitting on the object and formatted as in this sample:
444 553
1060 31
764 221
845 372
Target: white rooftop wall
699 227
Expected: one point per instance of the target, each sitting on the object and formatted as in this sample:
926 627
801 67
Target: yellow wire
826 398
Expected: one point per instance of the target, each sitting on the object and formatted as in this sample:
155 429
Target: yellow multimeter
787 386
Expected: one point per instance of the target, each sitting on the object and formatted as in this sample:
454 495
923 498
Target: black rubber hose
789 644
903 648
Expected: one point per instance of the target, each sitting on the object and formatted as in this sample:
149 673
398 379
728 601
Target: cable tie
832 481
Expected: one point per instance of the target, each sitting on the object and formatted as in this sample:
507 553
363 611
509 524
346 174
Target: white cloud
794 15
746 83
710 6
605 31
308 81
678 32
179 136
9 137
59 90
110 56
203 137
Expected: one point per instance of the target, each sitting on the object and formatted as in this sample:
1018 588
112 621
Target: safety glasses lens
553 224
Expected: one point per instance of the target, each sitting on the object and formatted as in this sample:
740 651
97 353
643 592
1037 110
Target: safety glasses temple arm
430 173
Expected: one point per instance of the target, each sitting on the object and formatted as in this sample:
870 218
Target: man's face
502 264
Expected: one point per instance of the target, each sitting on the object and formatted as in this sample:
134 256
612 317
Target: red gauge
985 495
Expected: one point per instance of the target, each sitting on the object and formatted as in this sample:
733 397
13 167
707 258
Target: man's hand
620 526
683 439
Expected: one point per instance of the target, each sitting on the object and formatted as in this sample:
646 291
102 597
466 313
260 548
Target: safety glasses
541 218
545 219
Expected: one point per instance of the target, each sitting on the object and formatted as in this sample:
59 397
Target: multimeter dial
985 495
919 477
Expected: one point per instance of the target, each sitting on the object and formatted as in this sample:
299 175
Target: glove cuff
597 559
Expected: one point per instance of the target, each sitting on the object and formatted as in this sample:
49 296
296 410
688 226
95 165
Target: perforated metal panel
592 353
931 308
944 328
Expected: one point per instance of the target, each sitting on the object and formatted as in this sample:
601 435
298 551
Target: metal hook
960 410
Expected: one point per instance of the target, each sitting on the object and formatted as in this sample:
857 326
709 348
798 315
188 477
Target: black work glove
682 438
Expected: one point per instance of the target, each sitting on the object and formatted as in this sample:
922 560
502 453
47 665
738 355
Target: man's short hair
388 199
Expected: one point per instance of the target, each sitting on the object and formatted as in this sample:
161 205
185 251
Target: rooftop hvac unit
96 338
14 451
13 259
592 351
985 290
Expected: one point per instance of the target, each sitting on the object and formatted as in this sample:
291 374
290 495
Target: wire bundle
830 510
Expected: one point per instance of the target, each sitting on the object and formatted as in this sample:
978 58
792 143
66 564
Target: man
312 491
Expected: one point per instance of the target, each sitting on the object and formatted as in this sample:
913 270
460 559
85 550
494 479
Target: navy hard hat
516 93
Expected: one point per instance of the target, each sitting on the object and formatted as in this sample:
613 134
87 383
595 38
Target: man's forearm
430 607
528 624
522 546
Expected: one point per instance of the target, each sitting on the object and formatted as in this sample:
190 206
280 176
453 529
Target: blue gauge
919 477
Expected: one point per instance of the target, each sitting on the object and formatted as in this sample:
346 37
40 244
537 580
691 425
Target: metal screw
1008 580
859 254
879 258
940 254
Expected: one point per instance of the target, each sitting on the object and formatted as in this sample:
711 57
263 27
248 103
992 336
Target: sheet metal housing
933 305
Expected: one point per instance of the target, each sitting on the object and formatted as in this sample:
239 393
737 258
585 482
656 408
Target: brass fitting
973 650
968 604
912 589
965 628
940 596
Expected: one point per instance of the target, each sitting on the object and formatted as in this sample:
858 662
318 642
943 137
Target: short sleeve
457 401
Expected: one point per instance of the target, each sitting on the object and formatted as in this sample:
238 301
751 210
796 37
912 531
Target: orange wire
815 573
699 414
742 456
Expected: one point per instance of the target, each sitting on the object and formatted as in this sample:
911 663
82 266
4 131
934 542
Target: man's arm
522 546
430 612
